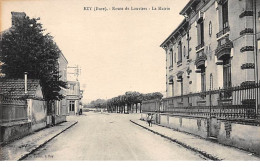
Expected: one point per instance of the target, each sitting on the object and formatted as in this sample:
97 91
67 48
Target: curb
41 145
211 157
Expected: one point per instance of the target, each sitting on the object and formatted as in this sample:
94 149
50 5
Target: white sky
117 51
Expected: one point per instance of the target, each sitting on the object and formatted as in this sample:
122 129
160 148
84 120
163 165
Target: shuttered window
225 14
203 79
227 73
179 52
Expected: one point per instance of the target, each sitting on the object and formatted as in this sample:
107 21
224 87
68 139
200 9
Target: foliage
99 103
25 48
130 98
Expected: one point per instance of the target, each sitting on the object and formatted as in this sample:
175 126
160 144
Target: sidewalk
21 148
211 150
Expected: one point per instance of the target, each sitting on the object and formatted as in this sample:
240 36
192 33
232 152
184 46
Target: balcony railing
200 58
222 32
200 46
224 47
179 62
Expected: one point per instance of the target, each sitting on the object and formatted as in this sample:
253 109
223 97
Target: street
102 136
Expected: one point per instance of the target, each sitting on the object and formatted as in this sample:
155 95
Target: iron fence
238 102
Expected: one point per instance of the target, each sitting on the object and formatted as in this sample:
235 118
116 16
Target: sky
117 51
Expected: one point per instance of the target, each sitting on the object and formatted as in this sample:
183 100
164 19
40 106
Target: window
171 58
72 106
210 28
172 85
223 18
174 57
225 14
227 72
200 33
179 52
203 78
184 51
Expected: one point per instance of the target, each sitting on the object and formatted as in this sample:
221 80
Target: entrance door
72 108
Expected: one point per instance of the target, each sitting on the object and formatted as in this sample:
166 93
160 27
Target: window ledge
179 63
200 49
222 36
223 33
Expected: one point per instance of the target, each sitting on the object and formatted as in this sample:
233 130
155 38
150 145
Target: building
61 105
74 96
213 47
22 108
212 74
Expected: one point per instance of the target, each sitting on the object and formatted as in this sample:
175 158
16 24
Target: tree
25 48
99 103
131 98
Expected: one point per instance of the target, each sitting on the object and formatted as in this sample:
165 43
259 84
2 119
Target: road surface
102 136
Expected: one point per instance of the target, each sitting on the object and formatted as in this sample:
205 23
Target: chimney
25 82
17 16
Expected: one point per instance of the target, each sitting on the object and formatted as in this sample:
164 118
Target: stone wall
243 136
14 131
35 120
59 119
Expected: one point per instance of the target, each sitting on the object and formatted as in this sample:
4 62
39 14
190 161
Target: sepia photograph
130 81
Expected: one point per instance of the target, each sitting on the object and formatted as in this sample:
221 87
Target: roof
188 5
174 32
62 56
14 88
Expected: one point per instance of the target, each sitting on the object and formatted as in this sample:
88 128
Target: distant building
74 96
213 47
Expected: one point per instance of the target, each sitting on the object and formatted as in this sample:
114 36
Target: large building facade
215 46
212 73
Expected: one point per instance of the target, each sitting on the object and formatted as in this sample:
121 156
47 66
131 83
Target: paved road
111 137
